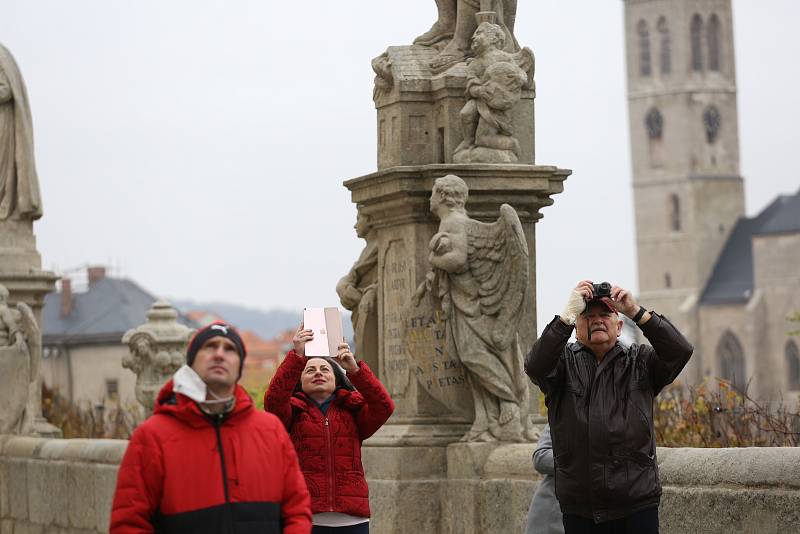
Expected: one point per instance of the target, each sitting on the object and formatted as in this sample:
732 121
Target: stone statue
495 79
358 292
480 277
19 185
20 353
457 22
157 350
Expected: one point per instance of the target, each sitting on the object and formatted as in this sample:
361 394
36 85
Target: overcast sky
201 146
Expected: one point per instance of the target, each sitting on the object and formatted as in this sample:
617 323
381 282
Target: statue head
362 225
450 191
487 36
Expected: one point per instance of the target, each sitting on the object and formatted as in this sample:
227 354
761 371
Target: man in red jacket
207 461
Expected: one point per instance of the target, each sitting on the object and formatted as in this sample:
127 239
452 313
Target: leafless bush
108 419
718 414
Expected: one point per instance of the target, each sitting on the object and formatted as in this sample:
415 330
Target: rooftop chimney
95 274
66 297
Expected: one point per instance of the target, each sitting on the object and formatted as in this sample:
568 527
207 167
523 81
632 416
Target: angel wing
527 62
498 260
33 335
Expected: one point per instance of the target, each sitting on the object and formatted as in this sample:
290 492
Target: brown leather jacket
601 416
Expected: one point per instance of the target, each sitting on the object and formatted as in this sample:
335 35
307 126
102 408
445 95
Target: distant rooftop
731 280
101 314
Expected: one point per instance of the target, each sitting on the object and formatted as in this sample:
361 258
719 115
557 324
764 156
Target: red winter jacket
329 446
186 472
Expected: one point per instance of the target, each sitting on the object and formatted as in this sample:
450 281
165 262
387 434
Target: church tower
688 192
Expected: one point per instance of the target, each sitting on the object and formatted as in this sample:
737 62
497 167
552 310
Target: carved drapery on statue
456 22
357 291
495 80
480 279
20 346
19 184
157 350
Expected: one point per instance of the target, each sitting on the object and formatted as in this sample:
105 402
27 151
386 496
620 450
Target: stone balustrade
66 487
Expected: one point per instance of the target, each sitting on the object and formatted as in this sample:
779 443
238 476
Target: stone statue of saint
20 351
19 185
457 22
357 291
480 277
495 79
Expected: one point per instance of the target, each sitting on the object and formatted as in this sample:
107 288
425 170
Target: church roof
731 280
102 314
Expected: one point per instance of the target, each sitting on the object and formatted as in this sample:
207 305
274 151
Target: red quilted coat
329 446
186 472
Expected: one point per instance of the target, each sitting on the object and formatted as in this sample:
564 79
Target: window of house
697 43
712 120
674 213
793 365
713 39
112 388
644 48
666 59
731 361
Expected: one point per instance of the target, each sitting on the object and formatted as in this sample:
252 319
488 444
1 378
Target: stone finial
157 350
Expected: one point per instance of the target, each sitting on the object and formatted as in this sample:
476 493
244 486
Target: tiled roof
731 280
103 313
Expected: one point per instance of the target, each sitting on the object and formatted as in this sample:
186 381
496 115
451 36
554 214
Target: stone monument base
460 488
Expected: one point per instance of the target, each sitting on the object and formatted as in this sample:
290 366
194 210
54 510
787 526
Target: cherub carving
480 277
495 79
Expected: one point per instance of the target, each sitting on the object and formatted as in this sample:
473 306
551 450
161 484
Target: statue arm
449 250
348 291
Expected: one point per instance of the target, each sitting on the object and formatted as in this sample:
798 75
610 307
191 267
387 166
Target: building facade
728 281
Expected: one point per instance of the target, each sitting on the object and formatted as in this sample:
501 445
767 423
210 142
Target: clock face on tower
711 122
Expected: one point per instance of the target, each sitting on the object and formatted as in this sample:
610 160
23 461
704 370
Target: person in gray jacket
544 516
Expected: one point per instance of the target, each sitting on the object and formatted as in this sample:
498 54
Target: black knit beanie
217 328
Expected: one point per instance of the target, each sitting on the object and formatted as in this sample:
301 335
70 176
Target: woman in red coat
328 414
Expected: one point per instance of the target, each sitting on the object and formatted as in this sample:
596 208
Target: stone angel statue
480 278
20 354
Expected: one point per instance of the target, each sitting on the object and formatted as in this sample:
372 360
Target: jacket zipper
217 424
331 477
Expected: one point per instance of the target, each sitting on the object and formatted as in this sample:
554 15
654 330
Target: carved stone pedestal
413 461
463 488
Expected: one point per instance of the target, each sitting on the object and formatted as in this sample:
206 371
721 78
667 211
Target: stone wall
66 487
62 486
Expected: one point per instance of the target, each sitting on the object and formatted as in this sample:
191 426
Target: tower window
793 365
644 48
731 360
663 31
667 280
713 38
712 120
697 43
674 213
654 122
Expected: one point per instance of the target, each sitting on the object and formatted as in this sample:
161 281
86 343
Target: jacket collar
186 410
